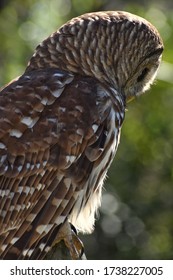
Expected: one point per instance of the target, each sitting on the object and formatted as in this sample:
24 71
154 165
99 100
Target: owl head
119 49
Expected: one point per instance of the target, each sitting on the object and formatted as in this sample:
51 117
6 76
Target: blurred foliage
136 217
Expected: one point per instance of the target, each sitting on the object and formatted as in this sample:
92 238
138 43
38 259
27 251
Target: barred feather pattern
55 150
60 126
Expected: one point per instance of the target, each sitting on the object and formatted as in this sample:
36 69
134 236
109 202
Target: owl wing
53 128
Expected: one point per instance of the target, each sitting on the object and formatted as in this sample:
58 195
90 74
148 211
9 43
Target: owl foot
73 245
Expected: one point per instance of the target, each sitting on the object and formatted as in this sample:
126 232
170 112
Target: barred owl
60 125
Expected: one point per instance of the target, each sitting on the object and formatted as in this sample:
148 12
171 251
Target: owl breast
89 198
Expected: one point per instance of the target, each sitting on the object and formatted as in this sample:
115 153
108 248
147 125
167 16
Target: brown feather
60 126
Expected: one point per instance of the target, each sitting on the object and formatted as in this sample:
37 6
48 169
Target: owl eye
142 75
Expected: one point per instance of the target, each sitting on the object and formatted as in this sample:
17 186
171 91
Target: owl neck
65 52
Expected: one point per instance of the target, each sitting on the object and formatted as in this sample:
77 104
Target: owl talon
68 234
78 244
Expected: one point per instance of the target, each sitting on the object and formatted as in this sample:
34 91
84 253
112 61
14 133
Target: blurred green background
136 217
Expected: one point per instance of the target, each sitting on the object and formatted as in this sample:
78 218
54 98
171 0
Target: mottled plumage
60 126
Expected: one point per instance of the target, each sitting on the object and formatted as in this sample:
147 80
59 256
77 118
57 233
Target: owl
60 124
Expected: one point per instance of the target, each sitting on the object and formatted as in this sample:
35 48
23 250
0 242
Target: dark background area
136 217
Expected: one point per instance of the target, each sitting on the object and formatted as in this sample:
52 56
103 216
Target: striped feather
63 156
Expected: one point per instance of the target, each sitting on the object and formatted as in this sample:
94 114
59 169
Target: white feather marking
16 133
31 217
80 131
79 108
33 122
59 220
28 189
18 207
44 163
31 190
51 101
67 182
2 146
3 158
11 195
53 120
24 252
38 165
28 205
27 120
6 168
11 208
57 93
44 228
4 192
23 206
20 189
3 213
27 77
56 201
44 101
39 186
28 165
47 248
70 159
43 172
62 109
29 253
14 240
41 247
58 75
95 127
32 166
3 247
40 229
19 168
